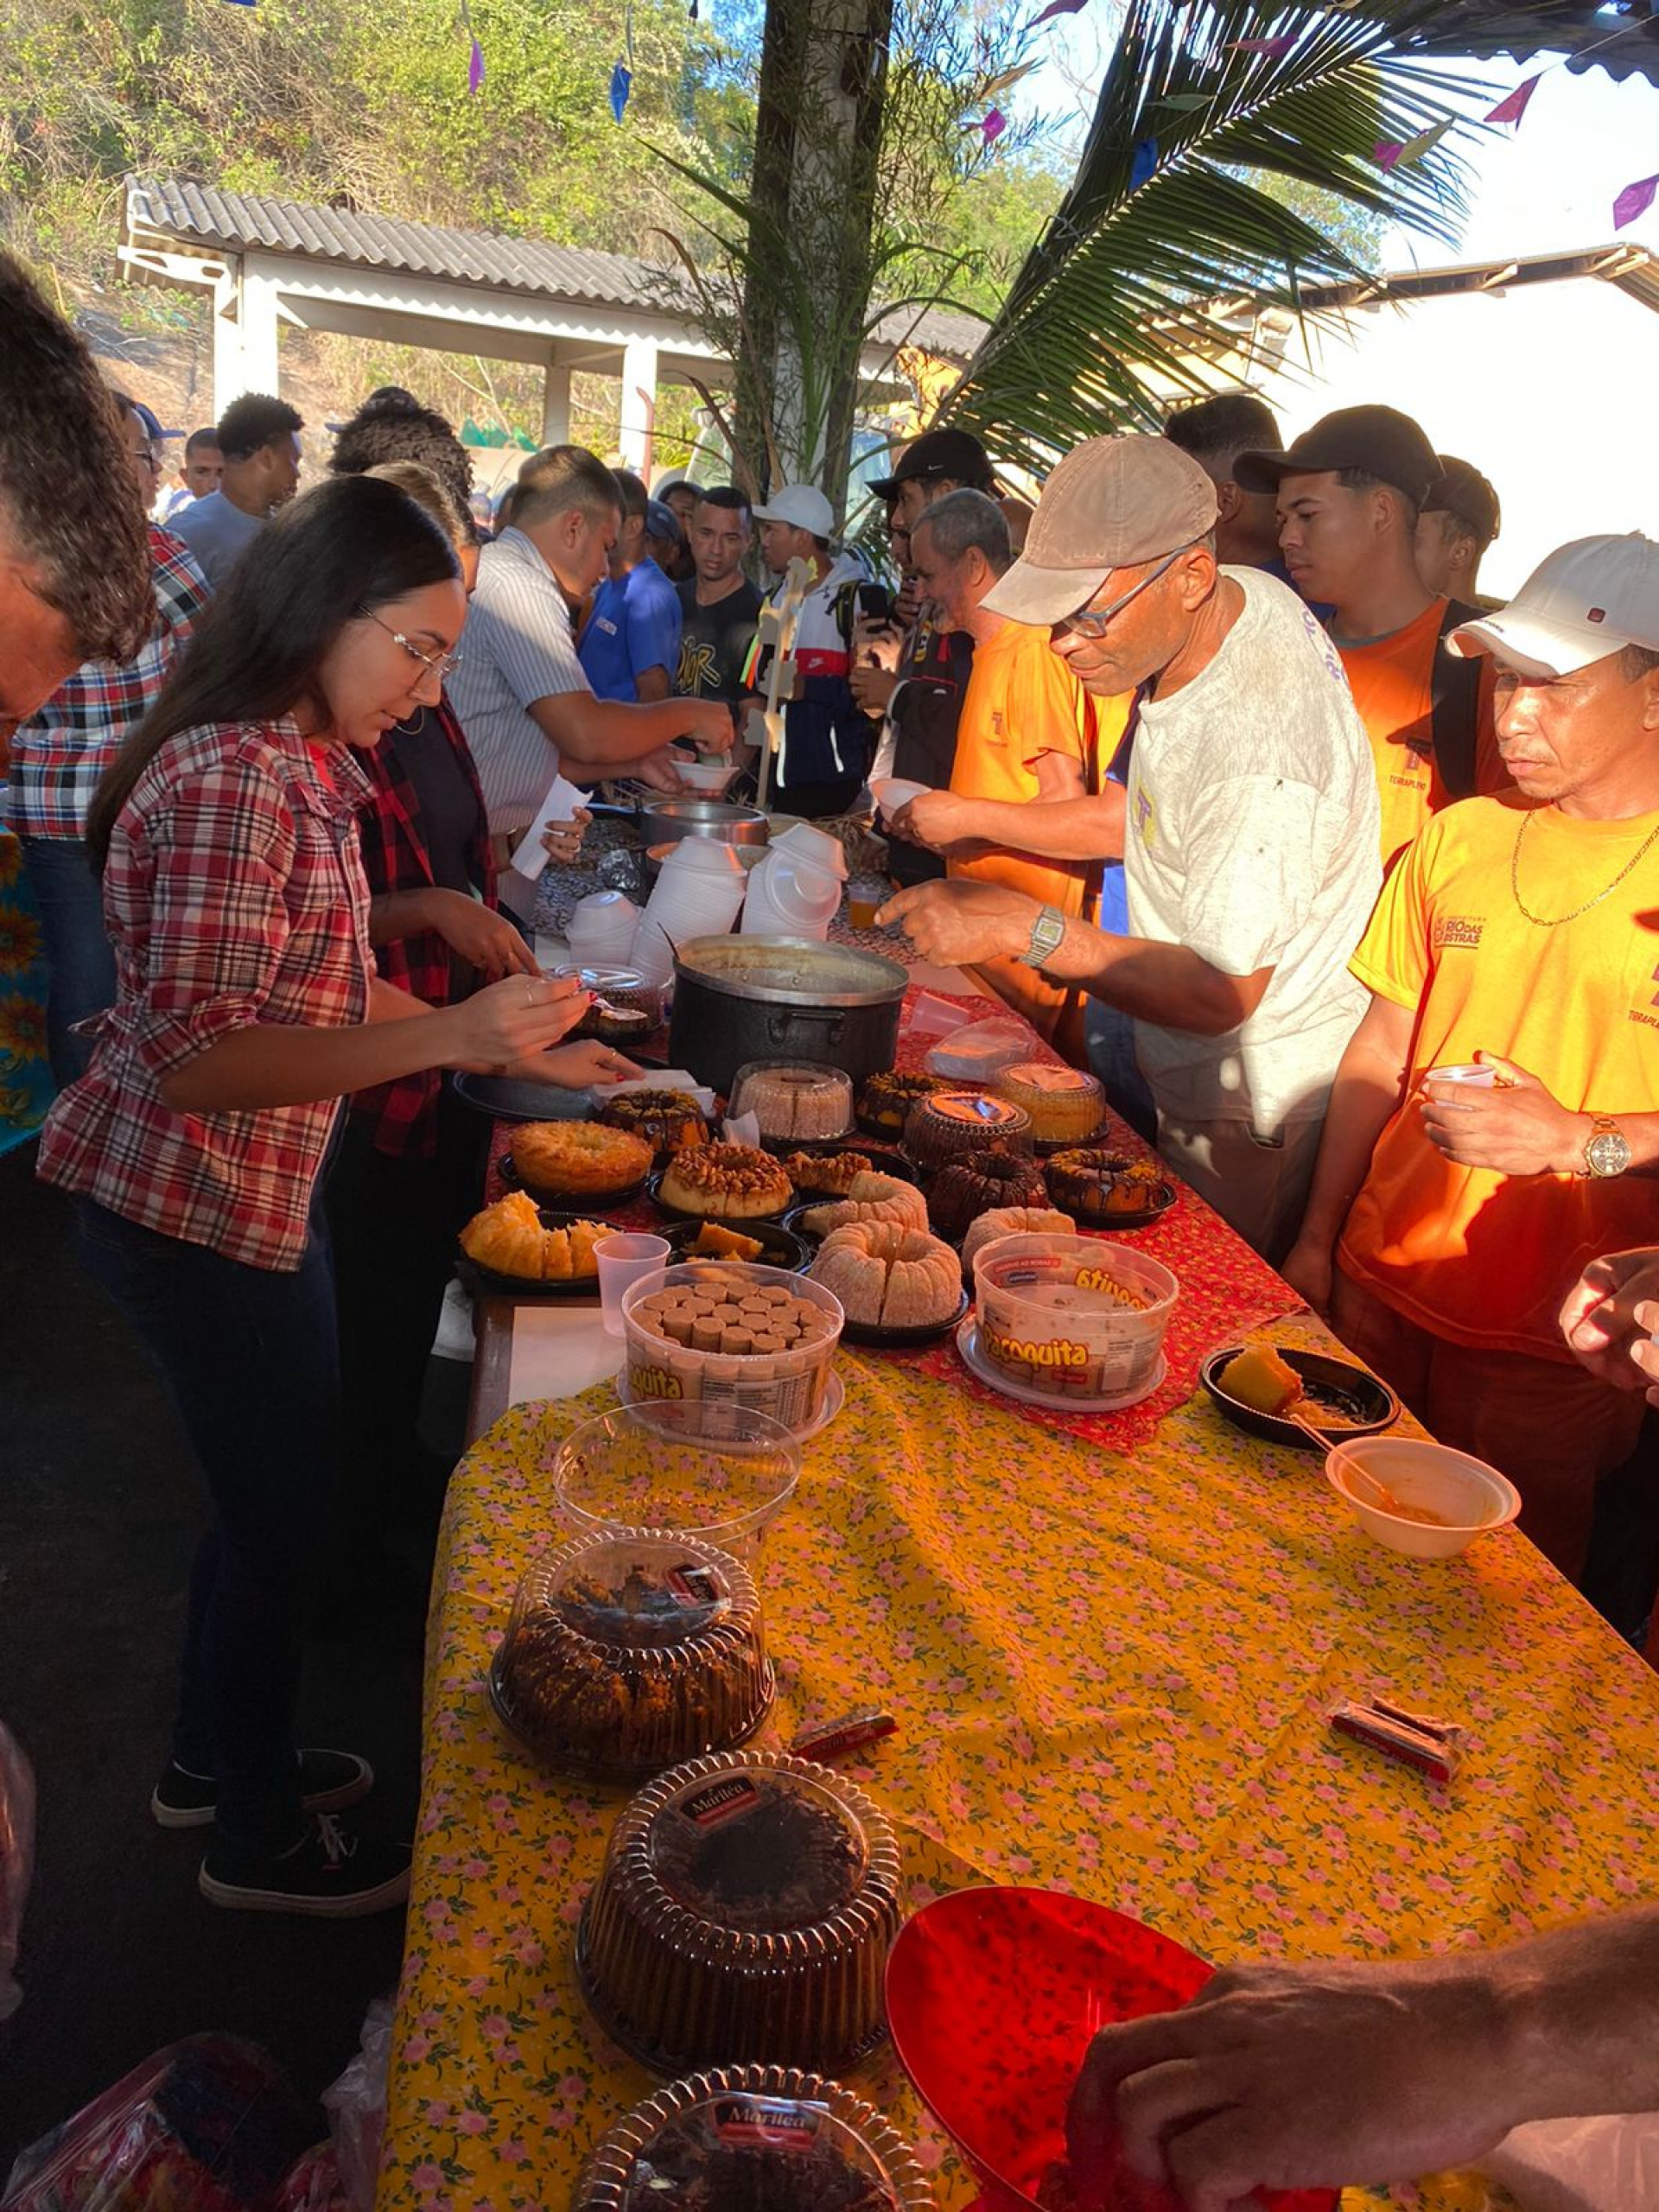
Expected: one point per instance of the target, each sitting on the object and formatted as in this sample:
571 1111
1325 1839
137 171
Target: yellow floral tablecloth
1111 1675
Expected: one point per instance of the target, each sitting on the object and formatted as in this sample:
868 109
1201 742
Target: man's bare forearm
1086 829
1365 1092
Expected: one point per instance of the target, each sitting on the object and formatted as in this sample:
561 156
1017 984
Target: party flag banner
1634 201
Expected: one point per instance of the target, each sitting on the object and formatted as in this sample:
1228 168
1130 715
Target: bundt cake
1014 1220
888 1277
985 1182
870 1198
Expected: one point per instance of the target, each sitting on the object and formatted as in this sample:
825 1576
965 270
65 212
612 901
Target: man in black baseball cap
937 462
1460 518
1349 492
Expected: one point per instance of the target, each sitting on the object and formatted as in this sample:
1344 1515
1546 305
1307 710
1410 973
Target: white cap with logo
1586 601
803 506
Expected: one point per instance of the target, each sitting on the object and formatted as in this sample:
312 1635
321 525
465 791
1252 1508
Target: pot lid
791 971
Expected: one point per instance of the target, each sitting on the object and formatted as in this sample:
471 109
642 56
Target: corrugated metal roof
178 210
233 221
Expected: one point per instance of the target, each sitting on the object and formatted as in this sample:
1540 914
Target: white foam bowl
1470 1497
890 792
707 778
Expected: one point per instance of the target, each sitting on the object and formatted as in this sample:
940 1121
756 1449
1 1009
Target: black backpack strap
1456 697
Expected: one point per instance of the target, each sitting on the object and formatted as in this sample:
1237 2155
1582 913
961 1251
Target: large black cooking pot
782 998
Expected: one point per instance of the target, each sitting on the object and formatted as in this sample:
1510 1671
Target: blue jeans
248 1359
1109 1035
79 965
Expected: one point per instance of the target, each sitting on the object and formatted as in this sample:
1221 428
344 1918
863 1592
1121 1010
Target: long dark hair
352 545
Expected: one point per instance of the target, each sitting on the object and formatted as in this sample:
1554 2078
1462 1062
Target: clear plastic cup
624 1261
866 896
1468 1073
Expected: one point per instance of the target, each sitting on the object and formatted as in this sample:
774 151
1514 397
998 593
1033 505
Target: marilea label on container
725 1800
770 2120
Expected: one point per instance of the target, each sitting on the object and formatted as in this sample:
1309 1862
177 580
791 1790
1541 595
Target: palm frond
1105 316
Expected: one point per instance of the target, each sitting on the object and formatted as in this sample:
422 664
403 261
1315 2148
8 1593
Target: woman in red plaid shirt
408 1170
248 1008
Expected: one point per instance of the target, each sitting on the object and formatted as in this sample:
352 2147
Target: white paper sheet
558 804
558 1349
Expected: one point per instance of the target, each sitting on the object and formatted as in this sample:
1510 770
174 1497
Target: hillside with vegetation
367 106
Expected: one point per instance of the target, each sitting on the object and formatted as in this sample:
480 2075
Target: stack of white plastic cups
698 892
599 931
796 890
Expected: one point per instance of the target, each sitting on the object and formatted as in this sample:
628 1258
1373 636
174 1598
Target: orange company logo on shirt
1459 931
1640 1013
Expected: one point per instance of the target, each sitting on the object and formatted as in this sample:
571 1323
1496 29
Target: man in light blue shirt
259 439
631 643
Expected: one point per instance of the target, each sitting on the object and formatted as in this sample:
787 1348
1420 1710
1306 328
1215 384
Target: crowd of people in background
1232 783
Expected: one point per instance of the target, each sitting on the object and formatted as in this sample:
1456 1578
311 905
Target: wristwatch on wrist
1608 1150
1047 932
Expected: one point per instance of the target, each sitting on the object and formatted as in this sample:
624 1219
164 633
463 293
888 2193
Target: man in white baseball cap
827 740
1589 599
1514 944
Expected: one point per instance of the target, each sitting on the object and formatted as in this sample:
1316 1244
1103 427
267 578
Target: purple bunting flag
1387 152
1144 163
1512 109
992 127
1058 8
1634 201
621 85
475 68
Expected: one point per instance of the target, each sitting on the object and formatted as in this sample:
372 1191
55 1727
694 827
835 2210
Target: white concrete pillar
638 405
245 309
556 406
260 310
229 383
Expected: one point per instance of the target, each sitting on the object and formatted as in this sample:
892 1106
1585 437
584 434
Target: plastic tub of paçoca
1076 1319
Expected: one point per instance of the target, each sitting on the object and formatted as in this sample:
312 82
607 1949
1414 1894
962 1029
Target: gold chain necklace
1541 921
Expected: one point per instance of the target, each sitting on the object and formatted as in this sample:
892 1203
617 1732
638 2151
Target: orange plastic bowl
993 1996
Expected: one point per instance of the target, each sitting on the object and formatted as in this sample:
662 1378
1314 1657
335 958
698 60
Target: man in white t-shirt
520 692
1249 827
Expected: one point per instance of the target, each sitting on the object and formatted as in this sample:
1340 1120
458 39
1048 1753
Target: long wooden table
1112 1653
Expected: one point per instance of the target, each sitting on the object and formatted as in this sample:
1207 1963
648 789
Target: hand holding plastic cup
866 896
1470 1074
622 1261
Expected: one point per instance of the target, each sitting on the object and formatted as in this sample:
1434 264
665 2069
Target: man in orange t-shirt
1349 492
1449 1219
1026 731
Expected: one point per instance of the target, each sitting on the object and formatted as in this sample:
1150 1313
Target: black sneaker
328 1780
330 1873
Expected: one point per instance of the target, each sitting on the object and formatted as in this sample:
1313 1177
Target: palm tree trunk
807 272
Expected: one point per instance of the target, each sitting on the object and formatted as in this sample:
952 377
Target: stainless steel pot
664 821
777 998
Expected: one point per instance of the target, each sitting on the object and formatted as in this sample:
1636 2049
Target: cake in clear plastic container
954 1123
754 2138
802 1101
631 1650
744 1913
1066 1106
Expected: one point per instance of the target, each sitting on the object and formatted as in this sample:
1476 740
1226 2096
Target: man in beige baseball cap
1249 827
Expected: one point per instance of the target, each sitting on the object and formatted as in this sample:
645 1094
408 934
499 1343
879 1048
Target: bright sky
1550 185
